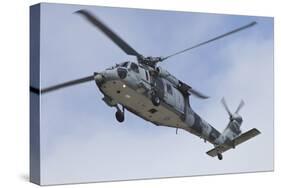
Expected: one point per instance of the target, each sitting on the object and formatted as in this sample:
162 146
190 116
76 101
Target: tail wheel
155 100
219 156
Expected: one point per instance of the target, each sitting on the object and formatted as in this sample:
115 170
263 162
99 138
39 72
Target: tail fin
235 120
232 130
218 150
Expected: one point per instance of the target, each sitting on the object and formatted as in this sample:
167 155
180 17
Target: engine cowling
165 74
162 72
181 86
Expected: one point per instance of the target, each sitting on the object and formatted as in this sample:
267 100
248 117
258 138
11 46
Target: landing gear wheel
219 156
155 100
119 116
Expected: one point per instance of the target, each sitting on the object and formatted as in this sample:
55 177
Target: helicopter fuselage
132 85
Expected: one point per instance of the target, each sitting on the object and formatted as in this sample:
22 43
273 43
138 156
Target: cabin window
135 67
159 87
146 75
169 89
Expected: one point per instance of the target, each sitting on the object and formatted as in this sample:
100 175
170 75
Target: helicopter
152 93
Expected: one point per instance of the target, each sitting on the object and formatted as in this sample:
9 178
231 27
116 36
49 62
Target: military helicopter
152 93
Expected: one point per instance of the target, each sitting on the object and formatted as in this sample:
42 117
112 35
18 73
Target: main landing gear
155 99
219 156
119 114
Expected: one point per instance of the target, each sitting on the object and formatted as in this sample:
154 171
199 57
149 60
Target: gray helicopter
152 93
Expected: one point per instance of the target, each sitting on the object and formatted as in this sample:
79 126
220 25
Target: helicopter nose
107 75
98 77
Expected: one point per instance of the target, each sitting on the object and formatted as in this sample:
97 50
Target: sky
82 142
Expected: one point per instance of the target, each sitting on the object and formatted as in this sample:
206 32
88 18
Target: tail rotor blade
226 107
242 103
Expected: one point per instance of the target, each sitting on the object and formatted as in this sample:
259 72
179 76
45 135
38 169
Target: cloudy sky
82 142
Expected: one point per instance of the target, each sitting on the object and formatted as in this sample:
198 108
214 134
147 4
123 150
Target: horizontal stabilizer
235 142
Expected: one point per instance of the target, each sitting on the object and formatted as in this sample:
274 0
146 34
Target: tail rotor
235 115
226 107
235 121
242 103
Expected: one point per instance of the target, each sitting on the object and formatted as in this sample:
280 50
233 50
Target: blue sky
80 139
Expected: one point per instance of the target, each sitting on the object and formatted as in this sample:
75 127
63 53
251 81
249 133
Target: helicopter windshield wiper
211 40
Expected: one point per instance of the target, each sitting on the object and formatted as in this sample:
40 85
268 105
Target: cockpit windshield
125 64
135 67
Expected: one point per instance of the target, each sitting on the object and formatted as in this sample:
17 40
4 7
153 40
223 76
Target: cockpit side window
169 89
135 67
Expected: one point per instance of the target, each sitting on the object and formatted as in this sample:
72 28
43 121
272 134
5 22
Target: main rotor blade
108 32
226 107
62 85
197 93
213 39
240 106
